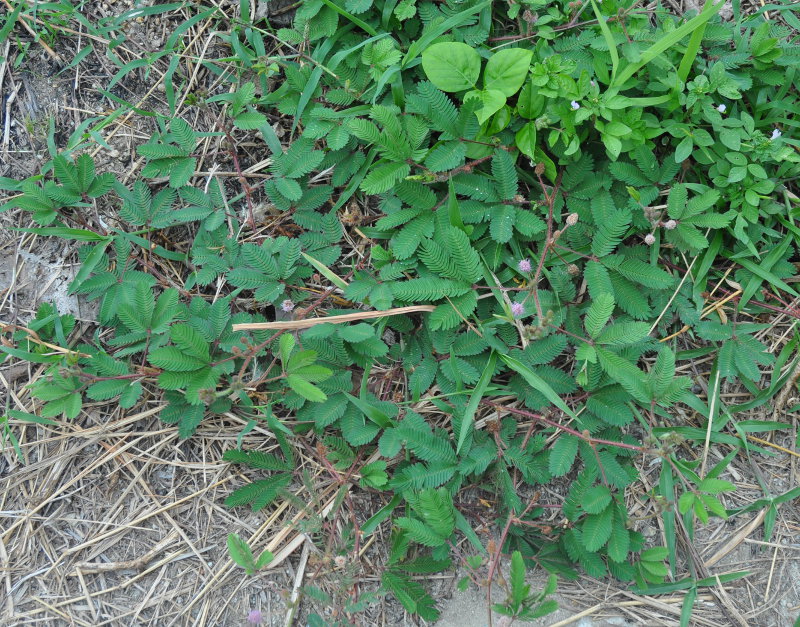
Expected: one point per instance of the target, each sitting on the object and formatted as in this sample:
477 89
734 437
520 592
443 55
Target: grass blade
538 383
692 49
666 42
416 48
475 399
612 46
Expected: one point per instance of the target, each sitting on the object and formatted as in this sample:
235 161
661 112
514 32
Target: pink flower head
517 309
524 265
287 305
649 239
254 617
670 224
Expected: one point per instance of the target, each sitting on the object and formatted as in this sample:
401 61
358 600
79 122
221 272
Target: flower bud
572 219
207 396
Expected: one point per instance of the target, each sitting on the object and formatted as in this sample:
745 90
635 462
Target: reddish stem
588 439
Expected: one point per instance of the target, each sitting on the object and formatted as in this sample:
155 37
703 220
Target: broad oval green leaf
530 102
452 66
492 99
526 140
507 70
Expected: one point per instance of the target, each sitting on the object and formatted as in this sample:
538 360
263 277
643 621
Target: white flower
670 224
592 83
722 108
649 239
775 134
575 106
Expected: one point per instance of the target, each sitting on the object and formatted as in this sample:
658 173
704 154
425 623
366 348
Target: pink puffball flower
517 309
287 305
524 265
649 239
254 617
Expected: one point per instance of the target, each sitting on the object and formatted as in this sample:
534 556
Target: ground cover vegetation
562 196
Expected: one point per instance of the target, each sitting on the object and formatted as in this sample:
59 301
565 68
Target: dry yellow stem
290 325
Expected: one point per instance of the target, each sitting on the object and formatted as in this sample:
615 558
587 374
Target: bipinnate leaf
419 532
519 589
190 342
598 314
596 499
597 529
620 540
562 454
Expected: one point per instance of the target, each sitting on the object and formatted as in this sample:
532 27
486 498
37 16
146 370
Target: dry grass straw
112 520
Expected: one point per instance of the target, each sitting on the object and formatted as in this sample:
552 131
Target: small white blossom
775 134
287 305
649 239
575 106
722 108
670 224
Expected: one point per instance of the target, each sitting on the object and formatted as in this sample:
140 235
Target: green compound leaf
597 529
598 314
562 455
596 499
